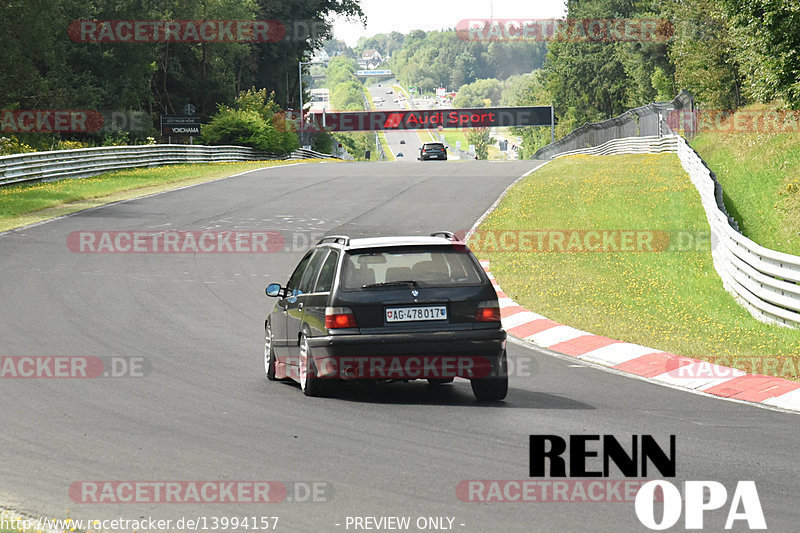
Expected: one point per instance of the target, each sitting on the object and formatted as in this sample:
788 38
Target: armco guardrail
629 145
83 162
645 121
302 153
765 282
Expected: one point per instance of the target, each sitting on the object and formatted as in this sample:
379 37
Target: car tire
309 382
492 388
439 381
269 354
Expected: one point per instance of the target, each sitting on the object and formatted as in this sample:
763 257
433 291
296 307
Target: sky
384 16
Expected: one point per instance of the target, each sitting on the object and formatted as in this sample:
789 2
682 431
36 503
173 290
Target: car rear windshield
424 267
434 146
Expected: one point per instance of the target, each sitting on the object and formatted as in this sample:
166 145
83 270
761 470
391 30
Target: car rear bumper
466 354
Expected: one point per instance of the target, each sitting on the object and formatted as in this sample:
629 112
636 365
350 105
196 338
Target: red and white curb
648 363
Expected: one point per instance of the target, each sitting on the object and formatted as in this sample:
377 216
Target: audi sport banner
178 125
486 117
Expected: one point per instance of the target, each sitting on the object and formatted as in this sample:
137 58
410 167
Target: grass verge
670 300
385 144
25 204
760 177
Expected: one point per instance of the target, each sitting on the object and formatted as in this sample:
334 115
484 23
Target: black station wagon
387 309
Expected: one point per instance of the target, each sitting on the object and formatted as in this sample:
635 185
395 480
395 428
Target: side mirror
274 290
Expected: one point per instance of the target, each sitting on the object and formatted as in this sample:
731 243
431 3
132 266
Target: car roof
387 242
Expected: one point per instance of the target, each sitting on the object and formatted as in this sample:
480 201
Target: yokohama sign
487 117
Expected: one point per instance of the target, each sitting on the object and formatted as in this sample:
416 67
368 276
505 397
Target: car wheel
495 387
439 381
309 382
269 354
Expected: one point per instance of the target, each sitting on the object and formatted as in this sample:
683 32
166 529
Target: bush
255 122
71 145
357 144
12 145
322 142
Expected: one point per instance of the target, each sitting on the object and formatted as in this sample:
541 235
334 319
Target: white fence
764 281
59 164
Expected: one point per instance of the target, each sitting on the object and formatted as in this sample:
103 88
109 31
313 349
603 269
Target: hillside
760 175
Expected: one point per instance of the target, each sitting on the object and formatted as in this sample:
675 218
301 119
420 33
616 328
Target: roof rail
344 240
449 235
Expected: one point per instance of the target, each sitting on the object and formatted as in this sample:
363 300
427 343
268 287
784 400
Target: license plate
413 314
434 157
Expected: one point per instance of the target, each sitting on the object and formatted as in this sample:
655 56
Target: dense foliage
443 59
255 121
727 54
41 67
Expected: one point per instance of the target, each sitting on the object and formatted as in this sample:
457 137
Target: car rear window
435 146
439 266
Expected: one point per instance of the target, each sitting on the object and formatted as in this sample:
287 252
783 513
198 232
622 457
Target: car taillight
488 311
339 317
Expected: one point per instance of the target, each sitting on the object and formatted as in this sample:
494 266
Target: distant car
433 151
402 141
399 154
379 85
387 309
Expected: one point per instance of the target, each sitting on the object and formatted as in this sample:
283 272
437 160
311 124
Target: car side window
325 281
294 280
310 275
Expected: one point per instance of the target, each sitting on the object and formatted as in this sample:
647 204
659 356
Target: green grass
454 135
385 145
29 203
760 178
671 300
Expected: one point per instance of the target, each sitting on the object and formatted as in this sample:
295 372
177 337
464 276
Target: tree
481 138
529 90
481 93
702 54
766 38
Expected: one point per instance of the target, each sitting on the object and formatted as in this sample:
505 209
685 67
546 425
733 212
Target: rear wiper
390 284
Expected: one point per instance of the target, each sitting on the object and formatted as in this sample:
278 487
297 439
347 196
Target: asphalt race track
409 149
205 411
